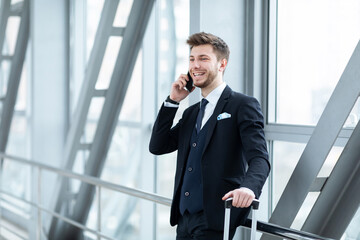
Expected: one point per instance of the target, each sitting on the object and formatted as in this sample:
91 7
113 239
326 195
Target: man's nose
195 64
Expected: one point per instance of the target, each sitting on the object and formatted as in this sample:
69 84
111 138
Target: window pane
353 230
173 53
94 8
121 216
285 157
314 43
124 158
131 108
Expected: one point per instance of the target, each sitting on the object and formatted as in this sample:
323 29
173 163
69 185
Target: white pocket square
223 115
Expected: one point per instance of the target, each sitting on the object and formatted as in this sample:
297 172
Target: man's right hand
178 92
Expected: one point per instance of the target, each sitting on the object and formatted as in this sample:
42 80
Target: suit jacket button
190 169
187 194
194 144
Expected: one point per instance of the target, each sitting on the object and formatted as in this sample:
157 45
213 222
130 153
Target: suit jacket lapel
218 109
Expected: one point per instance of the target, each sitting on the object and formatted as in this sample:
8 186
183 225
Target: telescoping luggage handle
228 205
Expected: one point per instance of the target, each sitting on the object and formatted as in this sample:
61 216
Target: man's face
203 66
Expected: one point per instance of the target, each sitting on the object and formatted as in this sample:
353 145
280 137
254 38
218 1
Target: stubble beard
211 77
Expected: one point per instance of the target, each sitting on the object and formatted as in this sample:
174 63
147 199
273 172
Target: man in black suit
221 146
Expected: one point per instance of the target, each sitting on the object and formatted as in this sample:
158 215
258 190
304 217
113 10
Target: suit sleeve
251 128
164 139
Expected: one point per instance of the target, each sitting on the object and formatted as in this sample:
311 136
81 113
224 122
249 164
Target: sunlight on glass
173 61
353 231
93 14
305 210
122 13
5 67
354 116
330 162
12 30
18 136
14 180
108 63
120 216
131 108
315 42
285 157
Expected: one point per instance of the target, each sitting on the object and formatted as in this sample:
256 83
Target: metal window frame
305 134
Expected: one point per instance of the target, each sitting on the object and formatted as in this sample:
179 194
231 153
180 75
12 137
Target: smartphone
189 84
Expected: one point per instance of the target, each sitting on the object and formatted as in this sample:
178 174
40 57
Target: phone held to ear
189 84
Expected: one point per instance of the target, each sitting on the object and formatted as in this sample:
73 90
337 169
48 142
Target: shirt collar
215 94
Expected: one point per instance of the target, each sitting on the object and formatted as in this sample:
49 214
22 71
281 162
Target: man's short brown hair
220 47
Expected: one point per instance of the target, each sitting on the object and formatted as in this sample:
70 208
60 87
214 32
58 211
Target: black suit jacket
235 153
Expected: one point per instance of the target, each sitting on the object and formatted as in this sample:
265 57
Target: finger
176 85
243 202
183 78
237 200
226 196
183 82
247 201
180 84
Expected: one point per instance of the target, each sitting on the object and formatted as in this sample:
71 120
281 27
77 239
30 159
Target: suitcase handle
255 204
228 205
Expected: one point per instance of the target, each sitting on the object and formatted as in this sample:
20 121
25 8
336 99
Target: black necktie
201 114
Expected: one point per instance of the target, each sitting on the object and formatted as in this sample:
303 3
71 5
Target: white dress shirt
212 98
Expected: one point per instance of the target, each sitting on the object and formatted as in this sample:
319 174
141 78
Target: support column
49 88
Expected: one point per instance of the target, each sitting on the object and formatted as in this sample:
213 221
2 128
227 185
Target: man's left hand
242 197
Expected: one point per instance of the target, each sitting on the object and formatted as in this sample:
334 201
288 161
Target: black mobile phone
189 84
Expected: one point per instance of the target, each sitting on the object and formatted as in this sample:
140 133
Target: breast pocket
227 128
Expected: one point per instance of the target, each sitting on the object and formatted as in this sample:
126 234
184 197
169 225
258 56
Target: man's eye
191 60
204 59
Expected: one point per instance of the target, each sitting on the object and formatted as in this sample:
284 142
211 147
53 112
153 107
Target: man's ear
223 64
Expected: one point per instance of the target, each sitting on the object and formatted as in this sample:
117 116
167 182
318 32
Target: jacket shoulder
242 98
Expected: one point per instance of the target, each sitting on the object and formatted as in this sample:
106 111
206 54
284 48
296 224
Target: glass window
353 231
173 30
311 43
315 40
121 216
18 143
124 156
285 158
93 14
15 177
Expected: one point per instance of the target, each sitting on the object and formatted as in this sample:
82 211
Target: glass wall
310 45
124 216
14 177
315 40
311 42
173 58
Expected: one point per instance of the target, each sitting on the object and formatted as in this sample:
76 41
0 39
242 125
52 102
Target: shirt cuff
169 104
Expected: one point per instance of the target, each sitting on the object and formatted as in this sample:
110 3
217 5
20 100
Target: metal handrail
94 181
282 232
68 220
84 178
267 228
